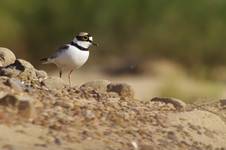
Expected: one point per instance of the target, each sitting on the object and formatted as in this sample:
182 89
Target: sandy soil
160 79
42 112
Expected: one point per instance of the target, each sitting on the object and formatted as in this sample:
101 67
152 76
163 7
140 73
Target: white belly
72 58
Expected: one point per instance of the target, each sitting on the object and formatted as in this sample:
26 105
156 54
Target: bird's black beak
95 44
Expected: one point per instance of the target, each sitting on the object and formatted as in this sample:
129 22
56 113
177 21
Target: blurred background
167 48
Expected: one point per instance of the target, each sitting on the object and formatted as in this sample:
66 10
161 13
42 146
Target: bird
73 55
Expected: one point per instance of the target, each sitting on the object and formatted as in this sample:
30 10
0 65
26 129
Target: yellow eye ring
85 38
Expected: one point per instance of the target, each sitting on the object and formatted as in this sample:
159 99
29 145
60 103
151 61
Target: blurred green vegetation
191 90
190 32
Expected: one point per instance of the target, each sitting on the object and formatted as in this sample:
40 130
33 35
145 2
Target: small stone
135 145
123 89
3 79
7 57
89 114
98 85
57 141
178 104
8 147
64 104
223 103
41 75
38 104
2 94
25 107
171 135
53 83
146 147
8 100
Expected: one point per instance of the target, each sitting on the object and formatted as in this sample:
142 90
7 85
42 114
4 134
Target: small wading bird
73 55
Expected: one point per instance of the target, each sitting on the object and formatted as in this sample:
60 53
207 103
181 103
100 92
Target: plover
73 55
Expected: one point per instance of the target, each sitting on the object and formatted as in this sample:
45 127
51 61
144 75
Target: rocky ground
41 112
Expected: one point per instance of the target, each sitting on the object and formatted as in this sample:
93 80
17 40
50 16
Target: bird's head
84 40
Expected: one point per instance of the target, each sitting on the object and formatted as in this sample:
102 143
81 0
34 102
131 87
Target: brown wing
60 50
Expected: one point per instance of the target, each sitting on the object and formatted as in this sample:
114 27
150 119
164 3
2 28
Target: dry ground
41 112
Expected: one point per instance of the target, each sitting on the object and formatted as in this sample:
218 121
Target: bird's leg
69 77
60 73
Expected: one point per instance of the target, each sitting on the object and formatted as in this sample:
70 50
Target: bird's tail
44 60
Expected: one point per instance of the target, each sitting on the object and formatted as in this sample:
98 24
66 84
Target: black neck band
79 47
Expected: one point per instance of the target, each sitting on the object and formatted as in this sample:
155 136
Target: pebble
178 104
89 114
41 75
98 85
123 89
8 100
223 103
22 104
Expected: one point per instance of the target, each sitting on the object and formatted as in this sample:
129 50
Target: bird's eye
85 38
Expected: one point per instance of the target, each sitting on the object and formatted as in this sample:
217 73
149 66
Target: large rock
98 85
7 57
123 89
28 70
21 69
9 71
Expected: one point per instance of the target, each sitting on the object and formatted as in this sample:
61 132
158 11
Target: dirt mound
40 112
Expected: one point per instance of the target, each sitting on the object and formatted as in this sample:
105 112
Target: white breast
72 58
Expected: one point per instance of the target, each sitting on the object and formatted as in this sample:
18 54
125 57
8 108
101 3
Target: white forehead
83 33
91 38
